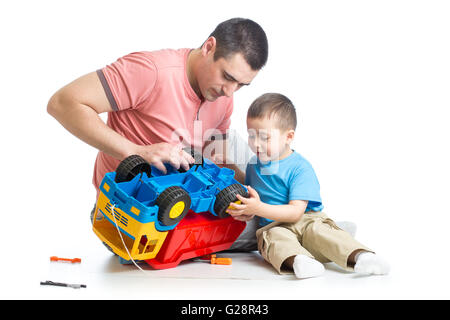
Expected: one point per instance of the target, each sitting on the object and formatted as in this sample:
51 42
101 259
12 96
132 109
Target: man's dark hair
243 36
274 105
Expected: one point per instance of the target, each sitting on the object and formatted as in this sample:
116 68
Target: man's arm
216 151
77 107
239 175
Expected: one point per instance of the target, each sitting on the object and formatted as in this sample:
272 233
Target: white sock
348 226
306 267
370 263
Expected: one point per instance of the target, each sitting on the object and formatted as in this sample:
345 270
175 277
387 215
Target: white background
370 80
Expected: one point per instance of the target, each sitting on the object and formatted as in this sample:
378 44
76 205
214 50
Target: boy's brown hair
274 105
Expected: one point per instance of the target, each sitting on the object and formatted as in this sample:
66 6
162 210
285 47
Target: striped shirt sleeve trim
107 89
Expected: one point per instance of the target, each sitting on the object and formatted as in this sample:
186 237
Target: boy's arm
291 212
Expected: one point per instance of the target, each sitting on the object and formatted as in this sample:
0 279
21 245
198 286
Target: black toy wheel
226 196
198 158
174 204
131 167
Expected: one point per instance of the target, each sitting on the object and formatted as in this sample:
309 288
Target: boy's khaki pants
314 235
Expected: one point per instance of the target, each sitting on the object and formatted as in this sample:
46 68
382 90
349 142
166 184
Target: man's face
224 76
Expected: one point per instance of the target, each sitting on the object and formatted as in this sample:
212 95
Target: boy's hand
248 208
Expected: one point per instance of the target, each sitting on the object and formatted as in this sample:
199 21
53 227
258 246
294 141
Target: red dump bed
198 234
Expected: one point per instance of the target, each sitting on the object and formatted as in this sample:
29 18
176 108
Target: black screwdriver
60 284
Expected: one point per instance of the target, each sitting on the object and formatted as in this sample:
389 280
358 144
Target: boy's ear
290 135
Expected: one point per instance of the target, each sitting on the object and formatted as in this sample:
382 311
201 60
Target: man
156 99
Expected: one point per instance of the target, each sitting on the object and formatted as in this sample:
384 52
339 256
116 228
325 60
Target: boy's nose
253 145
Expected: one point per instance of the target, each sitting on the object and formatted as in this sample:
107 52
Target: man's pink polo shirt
153 102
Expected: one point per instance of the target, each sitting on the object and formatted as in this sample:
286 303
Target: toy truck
146 206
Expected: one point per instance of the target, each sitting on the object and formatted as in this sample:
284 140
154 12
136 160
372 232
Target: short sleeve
129 81
304 185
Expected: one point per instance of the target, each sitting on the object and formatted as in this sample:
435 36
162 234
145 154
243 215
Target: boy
284 192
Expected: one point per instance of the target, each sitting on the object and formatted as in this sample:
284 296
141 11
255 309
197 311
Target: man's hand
159 153
248 207
218 159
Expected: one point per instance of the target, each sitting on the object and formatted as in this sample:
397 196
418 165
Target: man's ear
209 46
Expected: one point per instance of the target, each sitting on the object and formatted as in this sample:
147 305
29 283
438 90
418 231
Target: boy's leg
326 241
277 244
370 263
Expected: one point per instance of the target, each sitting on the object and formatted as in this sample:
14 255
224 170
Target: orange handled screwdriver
74 260
223 261
214 260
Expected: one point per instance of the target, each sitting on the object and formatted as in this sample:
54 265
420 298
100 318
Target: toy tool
214 260
60 284
74 260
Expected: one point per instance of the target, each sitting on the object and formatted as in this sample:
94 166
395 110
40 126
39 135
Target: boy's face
266 140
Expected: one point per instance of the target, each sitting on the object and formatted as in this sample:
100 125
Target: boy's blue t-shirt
278 182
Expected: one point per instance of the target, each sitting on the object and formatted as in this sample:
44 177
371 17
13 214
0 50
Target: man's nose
229 88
